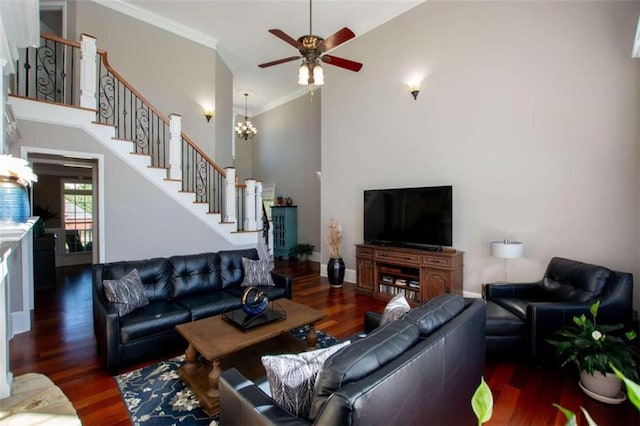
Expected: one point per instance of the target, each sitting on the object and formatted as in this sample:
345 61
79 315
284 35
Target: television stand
418 274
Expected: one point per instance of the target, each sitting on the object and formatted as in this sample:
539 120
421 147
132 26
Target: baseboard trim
473 294
20 322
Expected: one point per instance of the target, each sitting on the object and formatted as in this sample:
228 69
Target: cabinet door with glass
285 229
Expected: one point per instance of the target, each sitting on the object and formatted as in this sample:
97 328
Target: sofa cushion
195 274
571 281
362 358
154 274
555 291
434 313
209 304
231 265
292 377
126 293
395 309
257 273
154 318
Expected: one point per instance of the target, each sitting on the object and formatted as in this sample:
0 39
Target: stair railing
79 74
48 72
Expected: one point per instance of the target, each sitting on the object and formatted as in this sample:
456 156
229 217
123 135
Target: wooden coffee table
214 339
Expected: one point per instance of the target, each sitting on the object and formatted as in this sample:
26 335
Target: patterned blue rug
155 395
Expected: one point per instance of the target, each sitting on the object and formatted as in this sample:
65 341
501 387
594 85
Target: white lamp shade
505 249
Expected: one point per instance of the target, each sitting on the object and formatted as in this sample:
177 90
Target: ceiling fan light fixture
303 74
318 75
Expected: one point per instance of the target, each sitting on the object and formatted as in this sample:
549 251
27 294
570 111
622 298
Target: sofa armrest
371 321
510 290
106 329
544 319
244 403
284 281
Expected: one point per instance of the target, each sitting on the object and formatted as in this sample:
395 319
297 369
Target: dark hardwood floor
62 346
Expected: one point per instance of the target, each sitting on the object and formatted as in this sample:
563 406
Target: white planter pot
608 385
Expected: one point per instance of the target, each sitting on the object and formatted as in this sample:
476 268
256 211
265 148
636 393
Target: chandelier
245 130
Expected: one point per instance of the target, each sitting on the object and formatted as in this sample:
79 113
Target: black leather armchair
567 289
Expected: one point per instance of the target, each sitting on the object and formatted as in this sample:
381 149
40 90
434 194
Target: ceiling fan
312 50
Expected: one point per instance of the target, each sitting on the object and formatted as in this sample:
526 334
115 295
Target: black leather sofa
522 316
180 289
421 369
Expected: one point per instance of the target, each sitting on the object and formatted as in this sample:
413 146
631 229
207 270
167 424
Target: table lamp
506 249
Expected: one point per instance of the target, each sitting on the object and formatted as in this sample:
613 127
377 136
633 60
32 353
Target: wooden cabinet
285 229
383 272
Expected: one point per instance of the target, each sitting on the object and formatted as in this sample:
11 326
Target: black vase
335 271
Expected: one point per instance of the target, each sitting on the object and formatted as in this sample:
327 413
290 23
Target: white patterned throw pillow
127 293
292 377
396 308
257 273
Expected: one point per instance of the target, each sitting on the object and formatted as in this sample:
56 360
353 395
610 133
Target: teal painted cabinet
285 229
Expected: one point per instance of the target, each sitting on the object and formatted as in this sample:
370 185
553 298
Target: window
78 216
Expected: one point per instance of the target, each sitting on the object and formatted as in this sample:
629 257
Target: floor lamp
505 249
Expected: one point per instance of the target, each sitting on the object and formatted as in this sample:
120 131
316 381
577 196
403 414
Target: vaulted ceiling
238 29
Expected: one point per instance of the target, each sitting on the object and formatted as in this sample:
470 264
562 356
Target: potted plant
594 347
44 214
335 266
302 251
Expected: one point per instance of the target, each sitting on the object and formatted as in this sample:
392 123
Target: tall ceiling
238 29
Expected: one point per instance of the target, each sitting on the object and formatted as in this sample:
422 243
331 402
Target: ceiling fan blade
279 61
286 38
336 39
341 62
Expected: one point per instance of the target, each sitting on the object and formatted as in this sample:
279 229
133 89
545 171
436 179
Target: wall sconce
208 113
414 89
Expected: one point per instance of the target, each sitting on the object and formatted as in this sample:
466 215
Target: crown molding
156 20
283 100
636 44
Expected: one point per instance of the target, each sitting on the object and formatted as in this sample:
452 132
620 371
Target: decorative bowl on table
254 302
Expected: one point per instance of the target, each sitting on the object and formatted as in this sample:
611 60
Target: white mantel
16 290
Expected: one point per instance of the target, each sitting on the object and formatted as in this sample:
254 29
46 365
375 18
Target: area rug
155 395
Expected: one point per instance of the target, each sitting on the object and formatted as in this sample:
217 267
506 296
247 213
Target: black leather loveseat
522 316
421 369
180 289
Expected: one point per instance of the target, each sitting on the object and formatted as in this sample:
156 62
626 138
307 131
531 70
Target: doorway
67 192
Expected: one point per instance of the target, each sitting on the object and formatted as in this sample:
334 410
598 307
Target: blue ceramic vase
14 201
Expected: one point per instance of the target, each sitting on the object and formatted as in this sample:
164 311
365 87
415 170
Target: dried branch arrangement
334 238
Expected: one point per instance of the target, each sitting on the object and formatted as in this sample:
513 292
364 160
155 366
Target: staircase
97 99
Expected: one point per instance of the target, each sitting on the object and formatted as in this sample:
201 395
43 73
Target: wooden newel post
88 72
250 205
230 195
175 147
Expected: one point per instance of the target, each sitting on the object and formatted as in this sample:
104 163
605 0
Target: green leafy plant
302 251
593 347
482 402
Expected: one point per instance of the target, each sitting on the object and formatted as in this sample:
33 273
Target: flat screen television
411 217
